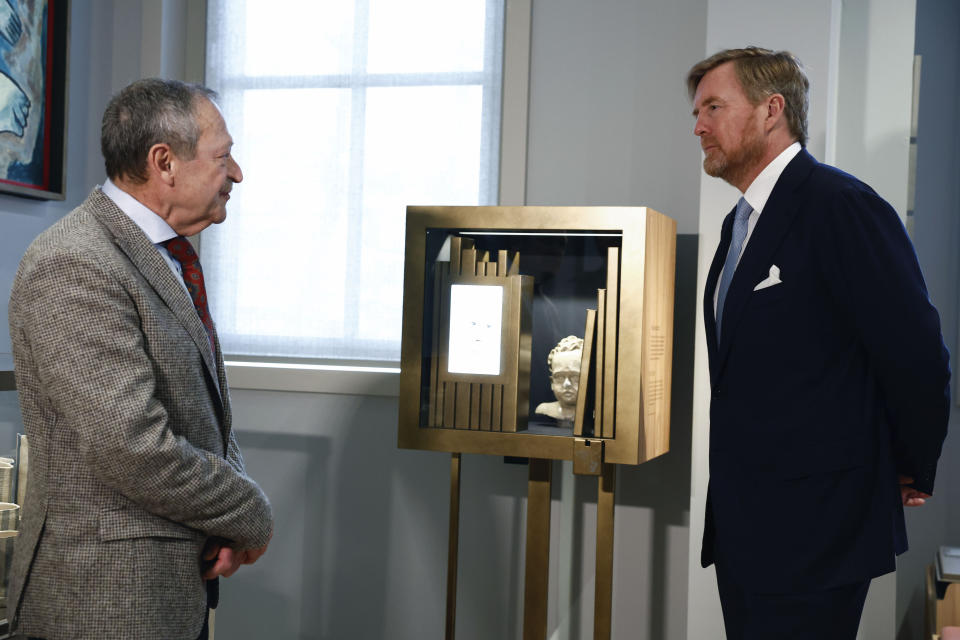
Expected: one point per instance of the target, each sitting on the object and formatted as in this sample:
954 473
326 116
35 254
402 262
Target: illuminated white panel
476 313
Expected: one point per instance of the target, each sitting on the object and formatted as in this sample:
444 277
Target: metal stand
537 571
537 574
603 585
453 546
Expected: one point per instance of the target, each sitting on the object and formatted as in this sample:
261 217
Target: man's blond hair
763 73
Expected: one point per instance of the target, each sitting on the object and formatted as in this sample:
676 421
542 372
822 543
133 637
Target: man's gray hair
146 113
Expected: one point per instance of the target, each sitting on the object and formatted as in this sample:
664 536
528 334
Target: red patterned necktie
181 249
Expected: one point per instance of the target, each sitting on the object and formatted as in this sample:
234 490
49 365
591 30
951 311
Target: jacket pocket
124 524
773 294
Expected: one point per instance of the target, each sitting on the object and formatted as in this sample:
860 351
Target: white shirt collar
153 226
760 189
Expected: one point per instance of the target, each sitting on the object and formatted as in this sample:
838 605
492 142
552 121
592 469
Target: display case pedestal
537 570
537 574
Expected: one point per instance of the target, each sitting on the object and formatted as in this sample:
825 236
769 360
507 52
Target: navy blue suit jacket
824 388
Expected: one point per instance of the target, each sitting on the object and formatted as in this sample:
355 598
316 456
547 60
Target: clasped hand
220 559
910 496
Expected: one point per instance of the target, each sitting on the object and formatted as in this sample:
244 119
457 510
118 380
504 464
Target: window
343 113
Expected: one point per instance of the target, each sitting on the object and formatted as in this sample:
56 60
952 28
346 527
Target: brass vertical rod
538 550
453 542
603 586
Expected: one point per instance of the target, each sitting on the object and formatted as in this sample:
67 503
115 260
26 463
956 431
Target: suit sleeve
876 279
86 342
234 457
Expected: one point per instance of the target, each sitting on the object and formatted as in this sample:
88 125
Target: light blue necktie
733 255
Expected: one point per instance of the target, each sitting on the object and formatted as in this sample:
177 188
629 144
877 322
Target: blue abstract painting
30 147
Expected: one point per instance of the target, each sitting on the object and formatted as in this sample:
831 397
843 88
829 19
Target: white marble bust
564 365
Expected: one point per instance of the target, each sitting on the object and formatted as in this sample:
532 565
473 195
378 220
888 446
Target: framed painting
33 101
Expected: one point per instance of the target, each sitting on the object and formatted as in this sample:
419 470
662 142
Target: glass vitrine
528 328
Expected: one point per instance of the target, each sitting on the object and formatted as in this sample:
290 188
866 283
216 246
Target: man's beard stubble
740 161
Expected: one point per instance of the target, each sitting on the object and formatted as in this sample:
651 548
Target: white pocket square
770 280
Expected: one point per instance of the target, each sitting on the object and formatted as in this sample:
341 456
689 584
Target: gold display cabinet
488 291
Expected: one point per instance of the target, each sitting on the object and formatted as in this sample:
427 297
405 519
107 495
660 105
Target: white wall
610 121
875 97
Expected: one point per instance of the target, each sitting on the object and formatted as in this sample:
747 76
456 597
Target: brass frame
645 305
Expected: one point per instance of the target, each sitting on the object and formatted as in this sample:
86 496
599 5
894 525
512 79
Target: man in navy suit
828 372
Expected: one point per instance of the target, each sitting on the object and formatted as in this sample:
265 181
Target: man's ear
162 162
775 106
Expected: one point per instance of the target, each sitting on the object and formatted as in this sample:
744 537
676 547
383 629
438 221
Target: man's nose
698 127
234 172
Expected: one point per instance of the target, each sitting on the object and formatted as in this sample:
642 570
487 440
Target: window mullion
490 116
358 109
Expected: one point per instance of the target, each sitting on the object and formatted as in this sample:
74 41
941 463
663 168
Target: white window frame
280 375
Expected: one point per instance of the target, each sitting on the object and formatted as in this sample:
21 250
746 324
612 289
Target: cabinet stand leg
538 550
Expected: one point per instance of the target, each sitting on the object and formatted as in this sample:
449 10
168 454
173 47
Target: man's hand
252 555
220 559
910 496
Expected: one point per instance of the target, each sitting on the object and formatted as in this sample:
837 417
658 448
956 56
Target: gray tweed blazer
133 464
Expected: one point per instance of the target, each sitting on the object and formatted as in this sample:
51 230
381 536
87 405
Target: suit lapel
778 214
709 318
145 257
224 395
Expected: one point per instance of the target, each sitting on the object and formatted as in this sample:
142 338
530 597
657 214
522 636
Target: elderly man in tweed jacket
137 498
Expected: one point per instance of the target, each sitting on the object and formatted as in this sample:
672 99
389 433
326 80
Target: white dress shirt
152 225
757 195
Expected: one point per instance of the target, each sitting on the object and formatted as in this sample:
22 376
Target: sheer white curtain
343 112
